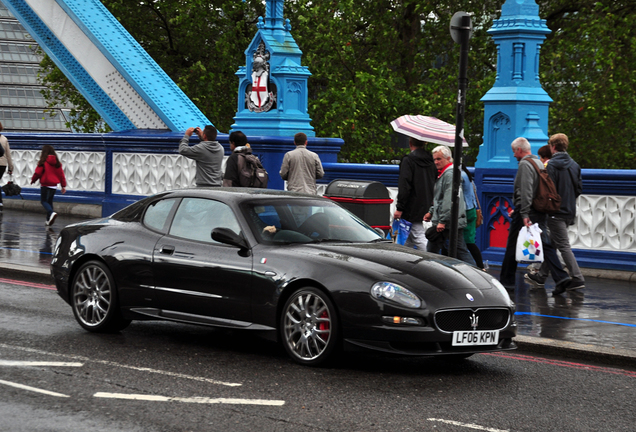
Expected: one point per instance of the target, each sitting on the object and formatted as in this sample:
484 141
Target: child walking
49 172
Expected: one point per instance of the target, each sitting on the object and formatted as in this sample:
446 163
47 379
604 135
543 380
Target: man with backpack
566 175
243 169
525 214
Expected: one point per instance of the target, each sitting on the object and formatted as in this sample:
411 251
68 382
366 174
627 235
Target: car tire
94 299
309 327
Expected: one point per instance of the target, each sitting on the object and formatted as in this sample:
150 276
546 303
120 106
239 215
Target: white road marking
33 389
109 363
468 425
200 400
38 363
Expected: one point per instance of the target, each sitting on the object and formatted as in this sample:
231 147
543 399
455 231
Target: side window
156 216
267 216
197 217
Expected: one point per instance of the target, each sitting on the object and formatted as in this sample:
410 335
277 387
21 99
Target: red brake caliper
324 326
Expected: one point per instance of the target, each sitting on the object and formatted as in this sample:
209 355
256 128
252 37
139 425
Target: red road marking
28 284
561 363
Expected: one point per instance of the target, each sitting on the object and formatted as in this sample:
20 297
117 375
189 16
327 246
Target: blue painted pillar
516 105
273 96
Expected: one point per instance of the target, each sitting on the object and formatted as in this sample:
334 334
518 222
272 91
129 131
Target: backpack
251 172
546 198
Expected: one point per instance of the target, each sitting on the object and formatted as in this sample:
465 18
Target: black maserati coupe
294 268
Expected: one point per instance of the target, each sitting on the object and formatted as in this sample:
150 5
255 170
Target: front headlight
396 294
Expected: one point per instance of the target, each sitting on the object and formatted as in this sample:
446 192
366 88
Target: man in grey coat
440 213
208 155
301 167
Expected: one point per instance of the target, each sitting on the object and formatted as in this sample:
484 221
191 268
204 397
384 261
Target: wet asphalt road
186 378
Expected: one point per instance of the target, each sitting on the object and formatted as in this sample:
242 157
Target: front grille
462 319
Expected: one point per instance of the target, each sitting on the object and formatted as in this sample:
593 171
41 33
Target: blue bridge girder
107 65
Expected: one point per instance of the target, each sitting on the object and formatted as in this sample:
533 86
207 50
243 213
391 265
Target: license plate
477 337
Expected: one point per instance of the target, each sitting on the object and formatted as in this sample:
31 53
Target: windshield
306 221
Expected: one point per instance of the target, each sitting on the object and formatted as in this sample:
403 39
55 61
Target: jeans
46 199
509 264
462 250
559 236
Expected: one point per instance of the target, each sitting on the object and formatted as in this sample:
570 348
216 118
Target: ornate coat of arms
261 94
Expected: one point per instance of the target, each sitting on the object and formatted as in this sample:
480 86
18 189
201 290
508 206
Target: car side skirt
162 314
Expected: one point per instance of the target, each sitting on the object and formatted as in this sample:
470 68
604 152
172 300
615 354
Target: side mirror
380 231
227 236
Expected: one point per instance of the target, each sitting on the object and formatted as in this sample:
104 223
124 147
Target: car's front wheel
309 327
94 299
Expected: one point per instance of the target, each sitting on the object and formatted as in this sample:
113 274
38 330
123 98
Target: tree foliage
587 65
372 61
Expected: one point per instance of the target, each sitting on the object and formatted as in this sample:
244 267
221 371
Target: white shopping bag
529 245
423 240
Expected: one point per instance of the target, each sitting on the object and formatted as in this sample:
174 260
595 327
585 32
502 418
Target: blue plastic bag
399 231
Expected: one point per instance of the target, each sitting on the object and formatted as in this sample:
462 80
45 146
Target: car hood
401 264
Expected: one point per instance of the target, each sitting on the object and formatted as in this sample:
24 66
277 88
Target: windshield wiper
331 240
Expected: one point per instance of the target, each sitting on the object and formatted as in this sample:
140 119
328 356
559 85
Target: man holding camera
208 155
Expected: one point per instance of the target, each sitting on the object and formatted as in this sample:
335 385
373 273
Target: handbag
11 189
480 217
529 245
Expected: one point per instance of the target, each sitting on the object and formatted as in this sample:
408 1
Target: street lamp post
461 30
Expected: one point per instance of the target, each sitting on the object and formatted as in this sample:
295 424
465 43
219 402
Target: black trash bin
369 200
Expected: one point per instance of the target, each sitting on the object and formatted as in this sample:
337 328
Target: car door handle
167 249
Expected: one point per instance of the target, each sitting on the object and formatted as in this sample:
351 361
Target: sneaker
534 279
51 219
575 285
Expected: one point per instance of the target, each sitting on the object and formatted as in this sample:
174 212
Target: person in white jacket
6 164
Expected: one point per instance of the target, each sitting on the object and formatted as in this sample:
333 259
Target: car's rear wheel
94 299
309 327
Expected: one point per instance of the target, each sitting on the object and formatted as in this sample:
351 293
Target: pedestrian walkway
602 317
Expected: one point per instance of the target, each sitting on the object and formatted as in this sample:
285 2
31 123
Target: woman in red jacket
49 172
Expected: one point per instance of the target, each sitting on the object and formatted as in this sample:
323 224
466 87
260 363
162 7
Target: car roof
236 194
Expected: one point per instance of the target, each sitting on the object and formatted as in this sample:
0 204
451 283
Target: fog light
401 320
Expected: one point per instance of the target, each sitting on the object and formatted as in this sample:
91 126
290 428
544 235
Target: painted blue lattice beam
80 78
134 63
107 65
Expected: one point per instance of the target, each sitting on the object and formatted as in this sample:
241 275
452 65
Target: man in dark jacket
415 191
566 175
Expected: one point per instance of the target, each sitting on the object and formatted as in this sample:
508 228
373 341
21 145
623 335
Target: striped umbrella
429 129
